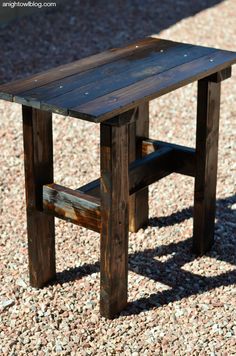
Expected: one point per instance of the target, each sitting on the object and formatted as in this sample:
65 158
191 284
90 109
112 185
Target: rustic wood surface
100 87
114 88
115 218
38 154
183 158
67 70
208 110
221 75
152 87
138 202
91 188
165 158
72 205
150 169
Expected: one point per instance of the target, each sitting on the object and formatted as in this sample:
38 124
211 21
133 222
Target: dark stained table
114 88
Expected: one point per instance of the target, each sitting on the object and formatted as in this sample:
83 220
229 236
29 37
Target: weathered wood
121 75
220 76
159 160
105 85
113 88
118 72
72 205
208 109
142 172
79 66
184 161
114 103
91 188
114 217
38 154
150 169
183 158
138 202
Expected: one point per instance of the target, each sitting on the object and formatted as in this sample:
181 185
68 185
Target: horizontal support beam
142 172
182 160
72 205
177 158
92 188
82 206
150 169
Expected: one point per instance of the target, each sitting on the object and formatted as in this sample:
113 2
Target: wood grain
91 188
150 169
71 205
82 65
100 87
102 77
208 110
138 202
152 87
114 216
119 75
169 158
221 75
183 158
38 155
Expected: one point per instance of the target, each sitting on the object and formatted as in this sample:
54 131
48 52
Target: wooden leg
206 165
38 154
138 202
114 217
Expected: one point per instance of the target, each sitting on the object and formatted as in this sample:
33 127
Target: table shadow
181 283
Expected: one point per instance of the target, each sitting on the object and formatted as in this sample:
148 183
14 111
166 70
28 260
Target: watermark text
39 5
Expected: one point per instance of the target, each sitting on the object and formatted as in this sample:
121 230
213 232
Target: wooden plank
118 101
169 158
133 71
38 155
114 214
142 172
107 78
138 202
221 75
208 109
75 67
183 158
73 206
184 161
91 188
90 81
150 169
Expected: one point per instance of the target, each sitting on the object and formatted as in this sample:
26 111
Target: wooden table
114 89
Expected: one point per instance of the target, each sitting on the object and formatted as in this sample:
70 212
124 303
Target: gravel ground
179 304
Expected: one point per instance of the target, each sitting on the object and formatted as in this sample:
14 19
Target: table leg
38 155
208 109
114 216
138 202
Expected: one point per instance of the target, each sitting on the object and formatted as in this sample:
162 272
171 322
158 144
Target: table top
106 84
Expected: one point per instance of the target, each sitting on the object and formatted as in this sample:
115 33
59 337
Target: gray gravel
179 304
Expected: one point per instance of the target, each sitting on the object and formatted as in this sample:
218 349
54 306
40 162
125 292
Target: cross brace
83 207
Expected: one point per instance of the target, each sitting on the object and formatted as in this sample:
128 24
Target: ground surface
179 304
